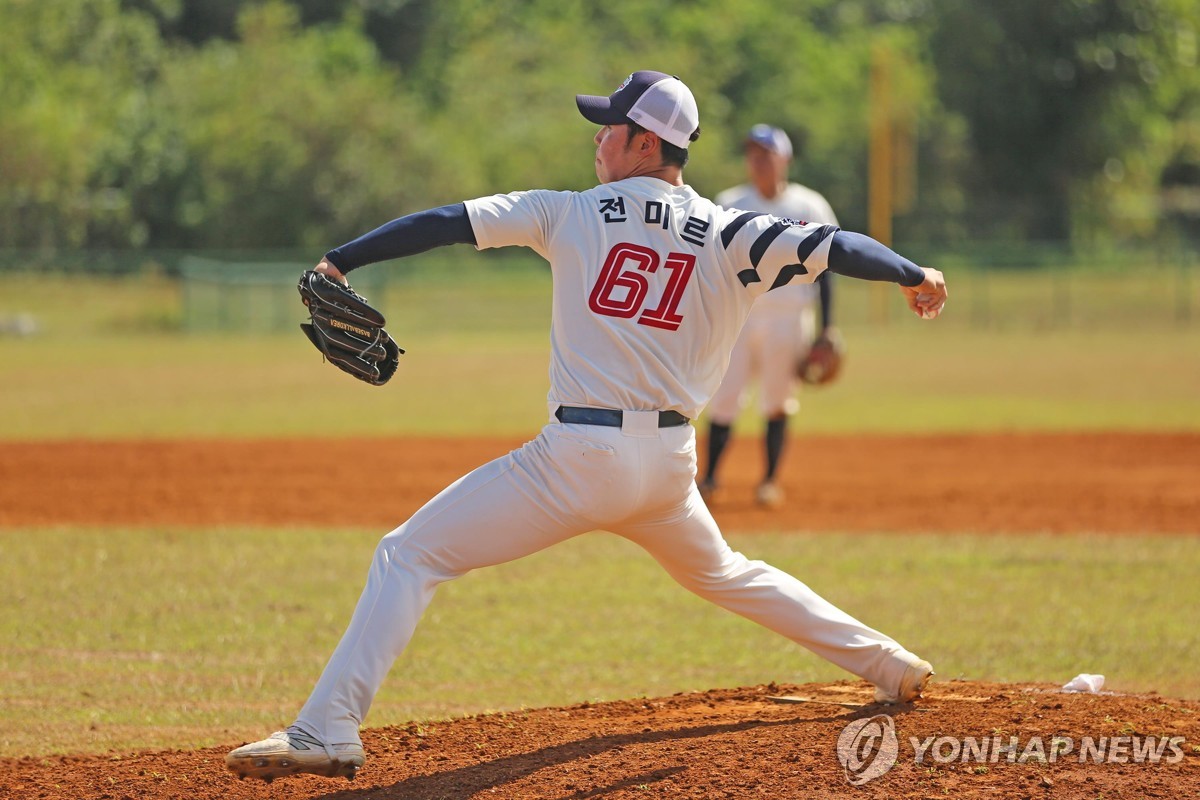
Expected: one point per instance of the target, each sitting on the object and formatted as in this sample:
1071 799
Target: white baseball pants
637 481
769 347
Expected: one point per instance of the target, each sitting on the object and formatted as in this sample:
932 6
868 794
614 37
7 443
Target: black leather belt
612 417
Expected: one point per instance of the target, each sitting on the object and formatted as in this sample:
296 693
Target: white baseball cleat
292 752
769 495
912 683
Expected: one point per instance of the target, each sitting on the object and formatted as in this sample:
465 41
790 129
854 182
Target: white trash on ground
1092 684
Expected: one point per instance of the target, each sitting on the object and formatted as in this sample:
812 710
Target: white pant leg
730 396
688 544
544 493
787 335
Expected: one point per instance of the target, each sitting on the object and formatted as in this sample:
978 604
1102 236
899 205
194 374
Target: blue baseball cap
772 138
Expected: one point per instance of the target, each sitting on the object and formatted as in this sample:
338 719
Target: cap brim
599 110
767 144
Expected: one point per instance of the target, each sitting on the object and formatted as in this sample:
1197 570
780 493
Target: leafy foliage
251 123
1072 105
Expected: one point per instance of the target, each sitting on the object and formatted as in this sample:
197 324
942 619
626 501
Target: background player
651 284
781 326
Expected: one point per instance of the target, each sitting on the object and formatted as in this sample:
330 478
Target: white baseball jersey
652 283
795 202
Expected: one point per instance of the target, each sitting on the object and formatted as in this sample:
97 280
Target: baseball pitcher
651 284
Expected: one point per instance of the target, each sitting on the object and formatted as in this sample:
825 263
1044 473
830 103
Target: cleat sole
268 769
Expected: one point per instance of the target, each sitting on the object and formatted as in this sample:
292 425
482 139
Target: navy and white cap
774 139
655 100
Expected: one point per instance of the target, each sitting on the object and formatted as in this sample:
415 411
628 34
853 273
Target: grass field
116 638
109 363
174 638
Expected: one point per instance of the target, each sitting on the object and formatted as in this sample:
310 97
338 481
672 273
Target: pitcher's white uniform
782 324
651 285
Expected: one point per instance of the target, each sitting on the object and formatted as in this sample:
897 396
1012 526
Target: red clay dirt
734 743
1110 483
719 744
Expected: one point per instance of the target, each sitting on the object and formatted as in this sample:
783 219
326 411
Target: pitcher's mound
974 740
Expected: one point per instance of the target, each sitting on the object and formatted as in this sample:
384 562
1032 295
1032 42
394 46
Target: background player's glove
824 359
347 330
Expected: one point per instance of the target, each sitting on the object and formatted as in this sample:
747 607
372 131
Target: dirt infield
717 744
734 743
1113 483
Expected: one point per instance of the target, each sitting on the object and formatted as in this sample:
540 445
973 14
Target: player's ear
650 140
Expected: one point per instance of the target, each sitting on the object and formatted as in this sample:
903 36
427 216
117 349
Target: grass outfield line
132 639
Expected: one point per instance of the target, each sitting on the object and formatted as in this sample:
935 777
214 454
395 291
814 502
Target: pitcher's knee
399 549
733 574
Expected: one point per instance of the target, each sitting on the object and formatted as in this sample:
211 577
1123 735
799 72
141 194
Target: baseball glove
823 361
347 330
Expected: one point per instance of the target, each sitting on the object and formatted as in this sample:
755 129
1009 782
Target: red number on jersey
664 316
605 298
608 299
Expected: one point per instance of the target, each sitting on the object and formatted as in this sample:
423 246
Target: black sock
718 437
776 436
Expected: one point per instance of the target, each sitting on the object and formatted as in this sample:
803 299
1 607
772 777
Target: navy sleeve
406 236
858 256
825 284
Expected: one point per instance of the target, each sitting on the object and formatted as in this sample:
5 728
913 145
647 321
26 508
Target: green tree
499 79
75 75
294 136
1065 101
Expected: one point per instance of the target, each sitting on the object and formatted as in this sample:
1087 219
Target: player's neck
772 190
664 172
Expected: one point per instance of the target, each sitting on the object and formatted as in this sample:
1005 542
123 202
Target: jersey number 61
608 299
